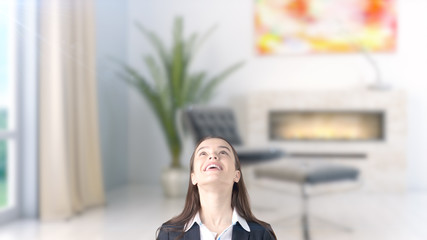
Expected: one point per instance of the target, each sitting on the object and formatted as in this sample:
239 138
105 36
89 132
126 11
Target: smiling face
214 163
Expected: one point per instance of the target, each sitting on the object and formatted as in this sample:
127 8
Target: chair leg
305 227
304 216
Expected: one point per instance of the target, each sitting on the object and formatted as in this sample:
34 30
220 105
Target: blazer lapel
239 233
193 233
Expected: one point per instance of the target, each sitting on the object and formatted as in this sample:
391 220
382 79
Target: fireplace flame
323 126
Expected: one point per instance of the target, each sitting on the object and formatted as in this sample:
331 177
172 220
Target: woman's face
214 163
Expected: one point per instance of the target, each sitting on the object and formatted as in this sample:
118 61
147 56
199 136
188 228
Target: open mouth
213 166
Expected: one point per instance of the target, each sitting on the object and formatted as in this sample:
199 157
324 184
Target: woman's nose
213 157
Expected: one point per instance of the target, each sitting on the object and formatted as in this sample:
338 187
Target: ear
237 176
193 179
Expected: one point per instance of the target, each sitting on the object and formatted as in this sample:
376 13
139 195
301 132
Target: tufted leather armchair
209 121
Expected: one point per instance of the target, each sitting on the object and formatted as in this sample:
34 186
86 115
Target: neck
216 208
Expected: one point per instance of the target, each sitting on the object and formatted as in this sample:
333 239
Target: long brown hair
239 200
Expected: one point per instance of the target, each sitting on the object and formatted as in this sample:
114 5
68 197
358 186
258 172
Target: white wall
233 41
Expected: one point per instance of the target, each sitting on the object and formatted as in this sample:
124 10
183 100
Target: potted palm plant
174 87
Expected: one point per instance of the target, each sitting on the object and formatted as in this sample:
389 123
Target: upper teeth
213 166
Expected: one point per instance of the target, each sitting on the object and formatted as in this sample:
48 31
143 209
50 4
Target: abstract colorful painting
324 26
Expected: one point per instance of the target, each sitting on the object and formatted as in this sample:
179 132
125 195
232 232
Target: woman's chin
216 181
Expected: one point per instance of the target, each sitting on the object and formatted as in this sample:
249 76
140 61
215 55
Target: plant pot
175 182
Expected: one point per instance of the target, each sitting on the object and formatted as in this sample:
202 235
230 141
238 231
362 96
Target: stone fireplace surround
382 163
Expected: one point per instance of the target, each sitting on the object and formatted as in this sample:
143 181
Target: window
8 105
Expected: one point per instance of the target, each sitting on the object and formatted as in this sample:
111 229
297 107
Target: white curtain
70 162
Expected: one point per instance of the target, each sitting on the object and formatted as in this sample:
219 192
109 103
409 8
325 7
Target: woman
217 205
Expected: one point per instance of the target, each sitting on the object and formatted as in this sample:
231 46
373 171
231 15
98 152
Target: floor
135 212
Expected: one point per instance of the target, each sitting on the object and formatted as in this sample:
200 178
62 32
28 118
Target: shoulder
171 227
259 231
256 227
167 231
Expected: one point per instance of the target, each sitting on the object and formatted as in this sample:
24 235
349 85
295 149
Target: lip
213 167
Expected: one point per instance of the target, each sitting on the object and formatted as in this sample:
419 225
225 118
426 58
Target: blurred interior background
85 148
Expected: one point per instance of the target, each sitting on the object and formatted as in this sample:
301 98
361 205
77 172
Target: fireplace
365 129
326 125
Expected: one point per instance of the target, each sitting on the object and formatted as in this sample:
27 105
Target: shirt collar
234 219
196 219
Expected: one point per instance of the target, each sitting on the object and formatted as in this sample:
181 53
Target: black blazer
258 232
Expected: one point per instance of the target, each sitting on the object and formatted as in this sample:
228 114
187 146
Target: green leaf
203 39
189 48
192 87
157 44
156 72
207 91
178 67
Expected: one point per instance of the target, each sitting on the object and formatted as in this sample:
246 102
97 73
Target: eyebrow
218 147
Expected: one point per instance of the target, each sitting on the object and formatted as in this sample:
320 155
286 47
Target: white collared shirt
206 234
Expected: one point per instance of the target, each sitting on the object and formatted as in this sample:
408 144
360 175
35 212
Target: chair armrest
249 155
